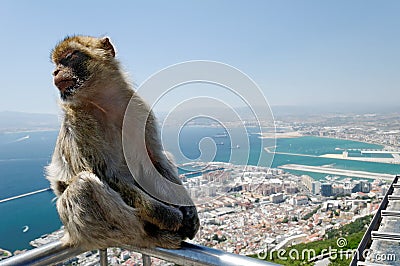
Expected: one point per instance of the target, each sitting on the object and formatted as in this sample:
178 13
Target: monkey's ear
106 45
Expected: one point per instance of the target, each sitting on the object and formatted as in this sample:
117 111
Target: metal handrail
358 258
189 254
48 254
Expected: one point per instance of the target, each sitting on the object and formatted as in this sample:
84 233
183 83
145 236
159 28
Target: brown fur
99 202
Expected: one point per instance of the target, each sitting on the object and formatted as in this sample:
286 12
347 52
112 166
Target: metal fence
189 254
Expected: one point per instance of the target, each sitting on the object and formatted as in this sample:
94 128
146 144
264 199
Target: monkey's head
80 61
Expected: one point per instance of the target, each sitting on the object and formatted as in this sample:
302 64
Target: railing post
103 257
146 260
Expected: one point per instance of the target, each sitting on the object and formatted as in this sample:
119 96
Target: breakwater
25 195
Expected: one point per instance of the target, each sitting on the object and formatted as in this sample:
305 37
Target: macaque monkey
99 199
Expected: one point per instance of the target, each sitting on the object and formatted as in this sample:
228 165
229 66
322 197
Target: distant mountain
18 121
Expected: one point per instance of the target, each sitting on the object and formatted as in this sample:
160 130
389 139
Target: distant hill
18 121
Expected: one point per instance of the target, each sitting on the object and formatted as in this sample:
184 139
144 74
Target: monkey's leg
165 165
95 216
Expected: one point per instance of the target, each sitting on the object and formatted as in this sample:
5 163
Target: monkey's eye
68 56
71 55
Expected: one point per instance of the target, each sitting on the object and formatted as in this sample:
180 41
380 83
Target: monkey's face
71 73
79 60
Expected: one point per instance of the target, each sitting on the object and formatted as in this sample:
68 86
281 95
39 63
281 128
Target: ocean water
23 157
239 146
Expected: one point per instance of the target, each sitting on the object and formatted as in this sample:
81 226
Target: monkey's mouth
64 84
67 87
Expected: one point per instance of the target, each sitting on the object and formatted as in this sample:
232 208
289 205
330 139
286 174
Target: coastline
297 134
4 254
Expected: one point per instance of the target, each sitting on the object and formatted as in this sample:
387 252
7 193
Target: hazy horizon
322 109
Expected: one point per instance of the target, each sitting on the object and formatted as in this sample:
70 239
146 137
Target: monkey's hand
191 222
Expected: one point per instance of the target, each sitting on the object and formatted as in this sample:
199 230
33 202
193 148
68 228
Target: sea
23 156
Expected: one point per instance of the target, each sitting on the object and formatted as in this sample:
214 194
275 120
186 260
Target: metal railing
358 258
189 254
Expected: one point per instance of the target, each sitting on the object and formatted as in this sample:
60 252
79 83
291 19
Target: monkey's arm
190 222
165 165
183 220
164 216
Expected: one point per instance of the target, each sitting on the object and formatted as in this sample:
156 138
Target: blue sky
298 52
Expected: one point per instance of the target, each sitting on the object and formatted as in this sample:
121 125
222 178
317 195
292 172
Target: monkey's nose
55 72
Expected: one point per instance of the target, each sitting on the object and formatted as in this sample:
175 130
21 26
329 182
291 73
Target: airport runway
335 171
